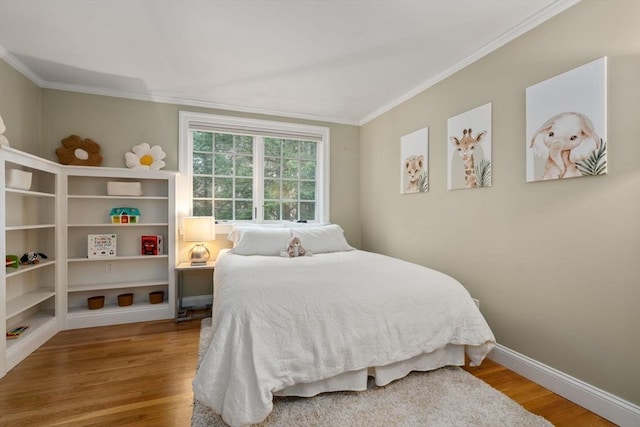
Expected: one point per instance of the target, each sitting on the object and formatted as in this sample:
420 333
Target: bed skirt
451 355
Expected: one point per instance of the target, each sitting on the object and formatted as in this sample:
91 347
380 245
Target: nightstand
183 314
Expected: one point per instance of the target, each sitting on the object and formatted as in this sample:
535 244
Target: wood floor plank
535 398
140 375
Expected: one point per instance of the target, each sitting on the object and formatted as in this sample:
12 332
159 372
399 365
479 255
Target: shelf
27 268
29 193
37 322
63 205
116 285
29 221
29 227
118 197
26 301
42 327
79 317
88 212
114 308
118 258
102 175
149 224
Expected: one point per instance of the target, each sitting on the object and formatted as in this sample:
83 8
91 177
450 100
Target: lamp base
199 254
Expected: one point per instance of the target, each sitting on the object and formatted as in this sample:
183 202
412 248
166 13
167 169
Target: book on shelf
101 245
152 245
15 332
11 261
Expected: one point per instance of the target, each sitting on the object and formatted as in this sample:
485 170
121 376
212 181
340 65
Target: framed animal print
567 124
469 149
414 161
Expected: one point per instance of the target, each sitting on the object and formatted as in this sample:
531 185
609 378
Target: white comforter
282 321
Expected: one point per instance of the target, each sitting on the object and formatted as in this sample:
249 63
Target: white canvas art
567 124
414 161
469 149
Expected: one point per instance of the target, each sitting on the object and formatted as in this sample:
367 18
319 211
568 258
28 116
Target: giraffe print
465 146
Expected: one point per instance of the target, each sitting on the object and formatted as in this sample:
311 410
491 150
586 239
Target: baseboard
197 301
605 404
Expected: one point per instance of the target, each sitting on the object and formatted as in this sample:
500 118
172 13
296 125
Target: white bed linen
451 355
283 321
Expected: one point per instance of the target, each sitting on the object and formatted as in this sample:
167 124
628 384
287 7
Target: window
253 170
222 175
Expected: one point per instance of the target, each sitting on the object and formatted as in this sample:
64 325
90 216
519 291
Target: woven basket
125 299
156 297
95 303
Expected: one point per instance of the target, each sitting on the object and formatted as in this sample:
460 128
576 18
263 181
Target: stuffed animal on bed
32 258
295 249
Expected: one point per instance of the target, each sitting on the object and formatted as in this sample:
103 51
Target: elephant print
564 140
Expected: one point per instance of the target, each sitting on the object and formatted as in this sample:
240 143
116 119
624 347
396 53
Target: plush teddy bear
295 249
79 152
3 128
32 258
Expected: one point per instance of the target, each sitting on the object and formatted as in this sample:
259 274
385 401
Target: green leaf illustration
596 163
423 182
483 173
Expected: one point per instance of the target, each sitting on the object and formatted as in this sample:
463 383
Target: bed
306 325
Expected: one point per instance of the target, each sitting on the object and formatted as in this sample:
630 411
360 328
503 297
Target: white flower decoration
145 157
3 128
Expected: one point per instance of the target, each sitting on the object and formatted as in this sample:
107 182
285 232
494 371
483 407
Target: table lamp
199 229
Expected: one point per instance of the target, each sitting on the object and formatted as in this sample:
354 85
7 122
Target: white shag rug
445 397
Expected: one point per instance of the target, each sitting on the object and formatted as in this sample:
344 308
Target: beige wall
118 124
555 265
20 109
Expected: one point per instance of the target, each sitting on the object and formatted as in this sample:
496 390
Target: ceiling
344 61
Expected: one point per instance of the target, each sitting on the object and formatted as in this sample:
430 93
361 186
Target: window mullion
258 179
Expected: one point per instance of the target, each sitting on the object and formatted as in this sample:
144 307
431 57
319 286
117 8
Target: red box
152 245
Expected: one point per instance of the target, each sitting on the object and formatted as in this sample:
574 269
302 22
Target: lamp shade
199 229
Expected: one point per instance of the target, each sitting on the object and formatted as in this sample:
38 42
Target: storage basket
95 303
156 297
125 299
115 188
18 179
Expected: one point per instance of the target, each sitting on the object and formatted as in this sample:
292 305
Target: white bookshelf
29 217
54 216
87 209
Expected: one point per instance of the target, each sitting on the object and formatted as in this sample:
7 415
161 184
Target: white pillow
294 224
259 240
234 234
322 239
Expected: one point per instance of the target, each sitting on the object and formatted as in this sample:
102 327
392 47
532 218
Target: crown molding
20 67
90 90
545 14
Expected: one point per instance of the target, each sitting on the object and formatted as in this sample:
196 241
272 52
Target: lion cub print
413 166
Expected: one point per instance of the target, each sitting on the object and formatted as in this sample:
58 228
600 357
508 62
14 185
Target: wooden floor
140 375
537 399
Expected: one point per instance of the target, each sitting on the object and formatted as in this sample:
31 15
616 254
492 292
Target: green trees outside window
226 171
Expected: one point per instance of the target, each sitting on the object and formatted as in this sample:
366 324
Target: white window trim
185 155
